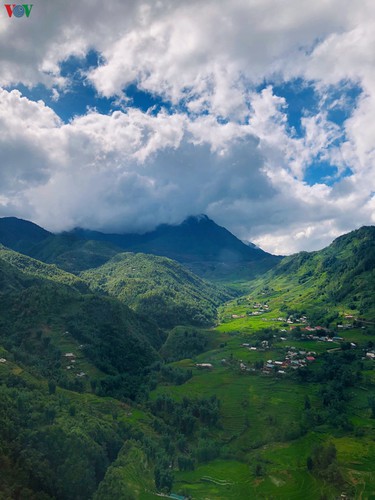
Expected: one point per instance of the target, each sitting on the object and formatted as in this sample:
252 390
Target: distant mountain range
198 242
197 238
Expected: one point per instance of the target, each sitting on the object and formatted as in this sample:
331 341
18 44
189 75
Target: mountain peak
197 219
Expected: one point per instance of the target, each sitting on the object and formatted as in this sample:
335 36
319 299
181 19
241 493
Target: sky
122 115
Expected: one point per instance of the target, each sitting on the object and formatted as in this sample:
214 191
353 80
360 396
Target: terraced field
261 420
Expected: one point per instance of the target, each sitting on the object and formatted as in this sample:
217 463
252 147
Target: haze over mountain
208 249
197 238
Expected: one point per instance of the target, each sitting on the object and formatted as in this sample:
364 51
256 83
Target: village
295 327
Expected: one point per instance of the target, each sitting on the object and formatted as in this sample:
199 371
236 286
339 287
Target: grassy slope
158 287
340 277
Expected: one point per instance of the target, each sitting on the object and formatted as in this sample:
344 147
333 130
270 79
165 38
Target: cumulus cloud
222 144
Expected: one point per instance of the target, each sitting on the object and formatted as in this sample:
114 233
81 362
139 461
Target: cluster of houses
262 307
71 359
293 360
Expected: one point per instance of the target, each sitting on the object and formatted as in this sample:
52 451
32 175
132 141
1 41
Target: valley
125 375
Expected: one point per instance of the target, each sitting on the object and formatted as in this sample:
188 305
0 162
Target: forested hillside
37 269
73 254
158 288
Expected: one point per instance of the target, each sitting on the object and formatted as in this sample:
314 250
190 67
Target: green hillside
338 278
63 354
42 316
73 254
34 268
159 288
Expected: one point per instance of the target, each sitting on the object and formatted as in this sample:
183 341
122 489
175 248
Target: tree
51 387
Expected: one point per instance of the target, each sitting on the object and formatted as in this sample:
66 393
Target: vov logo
18 10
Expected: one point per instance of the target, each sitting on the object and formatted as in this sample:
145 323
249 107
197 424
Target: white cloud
231 155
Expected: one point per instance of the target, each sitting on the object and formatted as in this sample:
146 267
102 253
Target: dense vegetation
101 401
37 269
53 446
73 254
158 288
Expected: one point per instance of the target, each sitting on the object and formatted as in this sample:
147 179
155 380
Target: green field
261 418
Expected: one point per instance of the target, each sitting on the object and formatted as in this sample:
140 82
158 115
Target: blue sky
140 113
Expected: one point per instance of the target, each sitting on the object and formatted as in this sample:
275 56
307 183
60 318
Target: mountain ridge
198 242
204 237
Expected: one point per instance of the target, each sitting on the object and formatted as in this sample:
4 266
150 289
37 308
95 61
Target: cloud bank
227 139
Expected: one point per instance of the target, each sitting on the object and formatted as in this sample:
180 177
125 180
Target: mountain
339 277
159 288
197 238
20 235
89 407
207 248
198 242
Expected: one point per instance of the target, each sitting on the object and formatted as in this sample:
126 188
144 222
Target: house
370 355
69 355
3 360
207 366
